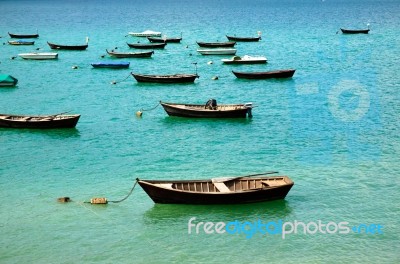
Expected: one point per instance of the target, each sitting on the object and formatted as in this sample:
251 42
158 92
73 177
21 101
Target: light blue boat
111 64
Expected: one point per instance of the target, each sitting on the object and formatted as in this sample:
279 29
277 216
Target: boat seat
221 187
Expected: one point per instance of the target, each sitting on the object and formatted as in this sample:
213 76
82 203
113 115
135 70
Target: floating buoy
190 54
139 113
210 62
215 78
13 57
113 82
63 199
100 200
74 67
102 56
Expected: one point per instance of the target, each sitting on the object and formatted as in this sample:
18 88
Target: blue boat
111 64
21 42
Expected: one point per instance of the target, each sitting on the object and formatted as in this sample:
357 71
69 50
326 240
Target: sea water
332 128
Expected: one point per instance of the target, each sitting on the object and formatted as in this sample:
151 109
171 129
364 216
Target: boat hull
228 44
21 42
200 111
243 39
173 196
173 78
39 56
67 47
24 36
130 54
161 40
245 60
217 51
7 80
40 122
112 65
265 75
147 46
354 31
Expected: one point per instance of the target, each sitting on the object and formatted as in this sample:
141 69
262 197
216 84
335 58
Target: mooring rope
129 194
150 109
115 82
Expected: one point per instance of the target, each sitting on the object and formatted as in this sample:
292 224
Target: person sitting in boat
211 104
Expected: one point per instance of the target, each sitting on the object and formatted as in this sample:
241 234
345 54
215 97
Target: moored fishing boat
22 36
217 51
21 42
69 47
265 75
228 190
227 44
164 39
208 110
7 80
111 64
244 39
39 121
246 59
147 45
146 33
116 54
39 55
166 78
355 31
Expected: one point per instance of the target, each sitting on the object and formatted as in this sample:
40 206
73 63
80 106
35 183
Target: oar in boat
225 179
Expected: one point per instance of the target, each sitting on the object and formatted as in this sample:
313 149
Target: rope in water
129 194
115 82
150 109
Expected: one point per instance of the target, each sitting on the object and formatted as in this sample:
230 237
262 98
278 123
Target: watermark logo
281 228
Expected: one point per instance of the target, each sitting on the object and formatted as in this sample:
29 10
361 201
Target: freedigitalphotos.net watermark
281 228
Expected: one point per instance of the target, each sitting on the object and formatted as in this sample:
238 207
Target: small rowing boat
39 121
246 59
217 51
39 56
168 78
265 75
111 64
21 42
116 54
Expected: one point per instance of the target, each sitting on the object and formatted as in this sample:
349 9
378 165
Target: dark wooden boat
244 39
147 45
116 54
111 64
169 78
226 44
208 110
355 31
265 75
162 40
69 47
39 121
21 42
234 190
22 36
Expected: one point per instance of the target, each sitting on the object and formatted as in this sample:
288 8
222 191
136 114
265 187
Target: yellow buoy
63 199
139 113
215 78
74 67
100 200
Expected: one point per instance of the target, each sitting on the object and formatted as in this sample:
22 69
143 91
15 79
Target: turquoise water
333 128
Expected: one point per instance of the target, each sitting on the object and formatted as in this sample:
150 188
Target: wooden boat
7 80
116 54
146 33
355 31
208 110
246 59
69 47
162 40
39 121
244 39
22 36
233 190
227 44
147 45
217 51
39 55
21 42
265 75
171 78
111 64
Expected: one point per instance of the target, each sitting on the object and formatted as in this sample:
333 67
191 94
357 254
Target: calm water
333 128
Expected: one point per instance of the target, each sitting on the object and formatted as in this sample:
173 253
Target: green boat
7 80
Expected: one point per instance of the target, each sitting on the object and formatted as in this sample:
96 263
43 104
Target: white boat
147 33
246 59
39 55
217 51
